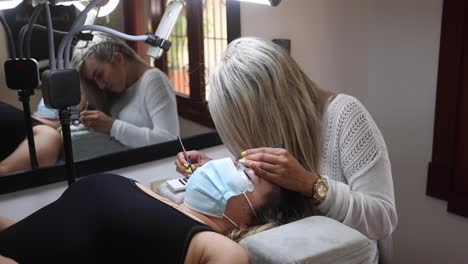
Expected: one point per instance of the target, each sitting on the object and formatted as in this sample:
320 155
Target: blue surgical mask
210 187
45 112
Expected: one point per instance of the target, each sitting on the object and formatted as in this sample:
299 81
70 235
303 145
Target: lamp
8 4
264 2
103 10
165 27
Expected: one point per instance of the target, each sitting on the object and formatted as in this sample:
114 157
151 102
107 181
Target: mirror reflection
127 102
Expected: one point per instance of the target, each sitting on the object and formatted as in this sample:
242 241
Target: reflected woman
135 104
132 102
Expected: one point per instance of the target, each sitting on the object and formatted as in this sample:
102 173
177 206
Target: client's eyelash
247 175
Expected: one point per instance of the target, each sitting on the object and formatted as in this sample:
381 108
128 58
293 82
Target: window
448 170
200 35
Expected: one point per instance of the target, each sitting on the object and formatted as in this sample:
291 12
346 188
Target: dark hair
282 207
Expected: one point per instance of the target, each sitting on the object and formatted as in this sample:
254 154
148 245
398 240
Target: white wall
386 54
327 37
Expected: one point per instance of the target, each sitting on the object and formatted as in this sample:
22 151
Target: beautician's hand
97 120
196 158
280 167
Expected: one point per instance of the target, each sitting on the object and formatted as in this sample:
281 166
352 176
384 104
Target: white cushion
315 239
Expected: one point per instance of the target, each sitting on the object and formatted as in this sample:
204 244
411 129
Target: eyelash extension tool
185 153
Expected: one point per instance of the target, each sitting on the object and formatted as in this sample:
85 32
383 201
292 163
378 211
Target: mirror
95 152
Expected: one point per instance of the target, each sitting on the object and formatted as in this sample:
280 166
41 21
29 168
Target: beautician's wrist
114 127
311 179
112 121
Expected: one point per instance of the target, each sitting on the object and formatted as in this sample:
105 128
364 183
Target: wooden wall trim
196 49
135 24
233 20
449 79
448 170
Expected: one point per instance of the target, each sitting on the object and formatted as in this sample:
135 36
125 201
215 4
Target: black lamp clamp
82 36
156 41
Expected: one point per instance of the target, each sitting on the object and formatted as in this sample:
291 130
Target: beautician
334 152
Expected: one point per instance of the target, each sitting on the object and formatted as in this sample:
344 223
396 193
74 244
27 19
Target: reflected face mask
210 187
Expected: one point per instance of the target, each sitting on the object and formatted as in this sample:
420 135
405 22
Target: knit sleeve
161 106
366 201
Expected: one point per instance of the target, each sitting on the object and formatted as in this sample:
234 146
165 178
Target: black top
101 218
13 129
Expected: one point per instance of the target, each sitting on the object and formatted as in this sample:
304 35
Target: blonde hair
102 47
259 96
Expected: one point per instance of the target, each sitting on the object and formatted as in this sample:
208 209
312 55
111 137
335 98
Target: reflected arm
161 108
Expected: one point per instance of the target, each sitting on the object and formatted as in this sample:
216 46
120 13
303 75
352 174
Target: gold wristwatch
320 190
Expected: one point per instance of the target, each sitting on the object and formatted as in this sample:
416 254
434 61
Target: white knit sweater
146 112
355 161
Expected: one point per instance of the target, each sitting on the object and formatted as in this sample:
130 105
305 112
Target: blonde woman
334 153
133 102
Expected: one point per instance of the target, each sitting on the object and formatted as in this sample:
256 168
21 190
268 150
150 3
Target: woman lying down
107 217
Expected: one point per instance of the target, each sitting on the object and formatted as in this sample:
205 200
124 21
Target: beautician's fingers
279 158
272 151
97 120
182 165
196 157
262 173
298 181
263 165
283 169
182 171
87 116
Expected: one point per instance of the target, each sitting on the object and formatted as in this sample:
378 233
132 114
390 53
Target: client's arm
48 145
4 260
211 247
5 223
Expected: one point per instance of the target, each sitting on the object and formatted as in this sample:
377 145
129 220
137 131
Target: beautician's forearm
366 204
133 136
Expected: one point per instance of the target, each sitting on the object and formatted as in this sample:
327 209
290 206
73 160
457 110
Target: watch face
322 190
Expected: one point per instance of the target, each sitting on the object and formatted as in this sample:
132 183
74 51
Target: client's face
106 76
262 189
221 189
259 197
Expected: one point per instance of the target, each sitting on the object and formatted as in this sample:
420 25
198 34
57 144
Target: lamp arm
72 32
11 43
97 28
25 34
50 36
